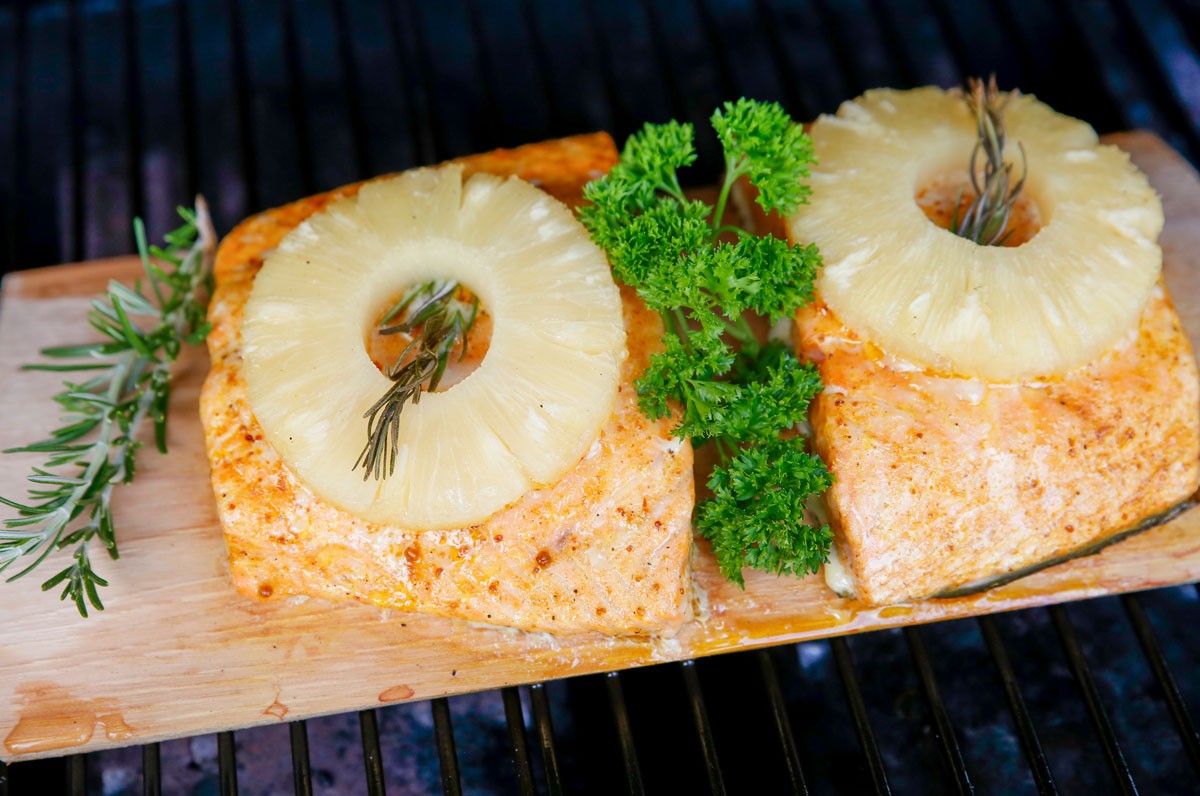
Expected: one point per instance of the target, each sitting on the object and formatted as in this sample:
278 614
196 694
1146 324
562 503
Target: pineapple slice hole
938 195
384 349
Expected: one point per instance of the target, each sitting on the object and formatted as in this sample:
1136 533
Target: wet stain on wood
396 693
53 719
276 708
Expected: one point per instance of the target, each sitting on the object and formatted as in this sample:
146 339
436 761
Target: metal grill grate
115 108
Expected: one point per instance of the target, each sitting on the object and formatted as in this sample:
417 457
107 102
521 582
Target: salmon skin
605 549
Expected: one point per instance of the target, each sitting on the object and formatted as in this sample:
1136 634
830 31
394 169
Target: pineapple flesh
956 307
526 415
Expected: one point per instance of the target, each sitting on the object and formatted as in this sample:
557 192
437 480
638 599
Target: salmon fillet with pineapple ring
946 484
955 466
605 548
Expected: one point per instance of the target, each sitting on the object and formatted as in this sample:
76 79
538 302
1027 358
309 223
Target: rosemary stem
132 365
52 531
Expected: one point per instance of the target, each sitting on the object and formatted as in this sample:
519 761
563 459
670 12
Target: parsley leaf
763 143
753 519
704 277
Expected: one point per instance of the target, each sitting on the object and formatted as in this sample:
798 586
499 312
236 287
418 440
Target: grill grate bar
615 102
1173 60
78 126
971 43
542 66
151 770
1034 754
134 106
856 40
186 60
294 66
858 710
372 758
1122 75
489 106
77 775
666 66
443 727
516 735
302 782
943 728
1083 676
227 764
353 93
795 105
616 699
11 256
919 49
545 730
412 55
721 52
703 727
1162 673
241 91
783 725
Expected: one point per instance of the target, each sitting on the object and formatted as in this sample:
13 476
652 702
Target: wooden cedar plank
185 655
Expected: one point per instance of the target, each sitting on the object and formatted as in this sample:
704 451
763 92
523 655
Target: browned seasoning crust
604 549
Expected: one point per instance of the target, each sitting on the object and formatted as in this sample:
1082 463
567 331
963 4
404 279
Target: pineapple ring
925 294
525 416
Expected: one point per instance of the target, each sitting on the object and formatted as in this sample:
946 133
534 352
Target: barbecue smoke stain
396 693
52 718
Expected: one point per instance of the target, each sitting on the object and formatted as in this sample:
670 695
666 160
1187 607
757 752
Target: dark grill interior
112 109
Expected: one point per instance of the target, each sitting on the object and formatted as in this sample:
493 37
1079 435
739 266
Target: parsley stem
727 448
678 322
731 229
674 189
732 172
743 333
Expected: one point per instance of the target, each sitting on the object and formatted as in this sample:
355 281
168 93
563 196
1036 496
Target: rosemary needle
123 379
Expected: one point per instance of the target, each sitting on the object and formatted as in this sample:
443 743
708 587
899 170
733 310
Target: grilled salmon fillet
604 549
945 482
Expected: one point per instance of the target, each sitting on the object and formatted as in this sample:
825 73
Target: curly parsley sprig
126 377
729 388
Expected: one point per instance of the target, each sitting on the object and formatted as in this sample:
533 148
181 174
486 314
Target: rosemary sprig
986 219
443 320
127 377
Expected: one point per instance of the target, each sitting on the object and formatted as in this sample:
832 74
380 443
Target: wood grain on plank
178 652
